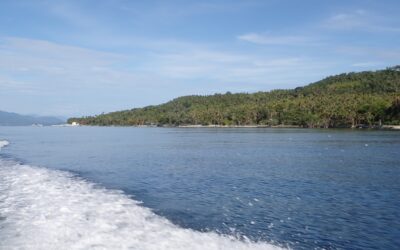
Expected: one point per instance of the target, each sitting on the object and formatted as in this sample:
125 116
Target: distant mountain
369 98
14 119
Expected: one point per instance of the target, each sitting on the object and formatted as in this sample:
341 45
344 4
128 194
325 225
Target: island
369 99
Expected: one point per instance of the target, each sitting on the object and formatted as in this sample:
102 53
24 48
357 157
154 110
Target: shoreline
391 127
237 126
383 127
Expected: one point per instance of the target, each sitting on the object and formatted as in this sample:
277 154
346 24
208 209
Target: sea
198 188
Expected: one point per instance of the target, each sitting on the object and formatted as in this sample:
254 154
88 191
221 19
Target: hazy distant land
14 119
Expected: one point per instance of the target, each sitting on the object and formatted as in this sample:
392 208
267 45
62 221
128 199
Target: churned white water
3 143
51 209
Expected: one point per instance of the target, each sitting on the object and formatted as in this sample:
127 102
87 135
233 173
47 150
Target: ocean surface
198 188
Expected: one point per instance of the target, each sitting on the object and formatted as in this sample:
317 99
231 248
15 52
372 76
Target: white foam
3 143
50 209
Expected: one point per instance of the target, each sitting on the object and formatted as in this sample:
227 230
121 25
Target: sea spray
3 143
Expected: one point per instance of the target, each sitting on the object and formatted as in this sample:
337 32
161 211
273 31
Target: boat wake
51 209
3 144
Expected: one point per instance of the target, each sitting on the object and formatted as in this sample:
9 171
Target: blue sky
73 58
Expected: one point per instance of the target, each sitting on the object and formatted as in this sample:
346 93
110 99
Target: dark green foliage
393 112
346 100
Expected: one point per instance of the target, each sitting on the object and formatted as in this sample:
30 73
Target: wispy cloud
360 20
42 68
227 67
71 14
275 40
366 64
351 20
387 55
38 60
108 55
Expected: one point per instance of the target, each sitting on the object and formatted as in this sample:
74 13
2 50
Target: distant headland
14 119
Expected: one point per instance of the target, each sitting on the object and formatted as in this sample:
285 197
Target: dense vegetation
368 98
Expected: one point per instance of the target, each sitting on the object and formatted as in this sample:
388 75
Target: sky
78 58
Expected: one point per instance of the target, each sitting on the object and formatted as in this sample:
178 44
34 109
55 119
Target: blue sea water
297 188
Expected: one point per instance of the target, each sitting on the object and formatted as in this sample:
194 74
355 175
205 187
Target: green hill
345 100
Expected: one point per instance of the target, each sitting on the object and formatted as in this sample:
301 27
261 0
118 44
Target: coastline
391 127
383 127
238 126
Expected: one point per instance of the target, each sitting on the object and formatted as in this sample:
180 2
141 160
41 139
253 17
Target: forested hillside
352 99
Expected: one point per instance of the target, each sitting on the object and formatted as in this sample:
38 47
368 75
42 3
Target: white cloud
224 67
360 20
54 66
51 50
275 40
71 77
366 64
386 55
347 21
71 13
